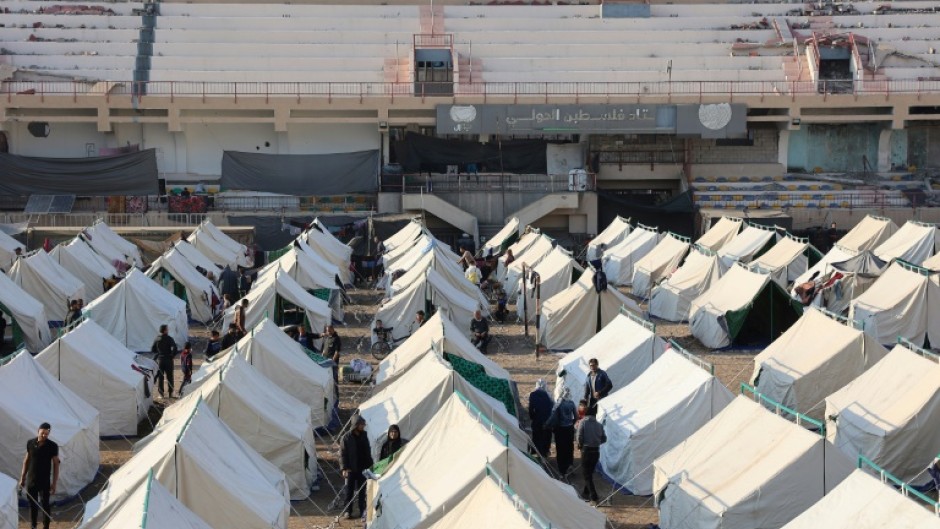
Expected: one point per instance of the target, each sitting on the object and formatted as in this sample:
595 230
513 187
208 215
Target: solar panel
38 204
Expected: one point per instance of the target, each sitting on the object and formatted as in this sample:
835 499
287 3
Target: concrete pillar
179 145
783 148
283 142
884 150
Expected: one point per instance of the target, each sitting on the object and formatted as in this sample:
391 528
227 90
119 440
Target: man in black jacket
597 385
356 456
165 349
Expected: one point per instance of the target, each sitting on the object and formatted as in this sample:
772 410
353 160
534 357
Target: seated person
480 331
501 312
382 333
214 346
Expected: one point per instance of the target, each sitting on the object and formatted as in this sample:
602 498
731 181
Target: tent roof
932 264
404 236
629 243
824 266
319 235
434 258
261 299
901 302
308 271
864 502
129 252
149 504
868 233
510 230
28 313
92 346
613 233
228 243
199 289
85 256
197 258
489 505
780 255
669 249
733 291
913 243
48 282
9 496
213 249
865 264
745 245
725 230
8 246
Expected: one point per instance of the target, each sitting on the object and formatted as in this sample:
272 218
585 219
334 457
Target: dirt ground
510 348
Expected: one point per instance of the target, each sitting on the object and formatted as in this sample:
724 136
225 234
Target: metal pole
525 301
537 284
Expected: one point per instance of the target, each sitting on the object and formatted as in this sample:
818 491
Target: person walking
597 385
165 349
186 366
42 459
590 437
540 409
355 457
240 315
561 422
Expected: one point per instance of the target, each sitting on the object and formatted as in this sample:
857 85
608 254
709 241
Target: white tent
245 258
437 336
267 296
85 264
574 315
431 291
9 508
491 504
745 468
198 259
659 264
311 273
556 273
135 308
412 399
870 232
434 257
407 258
284 361
112 246
932 264
624 348
620 260
914 243
266 417
100 370
175 273
864 502
824 267
29 396
615 232
654 413
671 299
209 469
213 249
815 357
48 283
321 241
404 236
903 302
723 232
529 237
530 257
148 506
890 414
442 464
742 304
26 314
787 260
503 238
8 246
745 246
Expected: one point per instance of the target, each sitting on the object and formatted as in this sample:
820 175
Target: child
186 364
214 346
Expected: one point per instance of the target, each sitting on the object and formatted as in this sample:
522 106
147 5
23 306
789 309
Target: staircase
432 19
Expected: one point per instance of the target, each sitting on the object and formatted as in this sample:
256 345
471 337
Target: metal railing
542 90
905 489
707 366
642 157
782 410
456 183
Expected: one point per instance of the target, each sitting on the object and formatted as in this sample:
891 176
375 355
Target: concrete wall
833 148
65 140
764 150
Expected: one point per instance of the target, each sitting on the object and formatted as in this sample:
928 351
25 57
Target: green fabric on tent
765 318
17 332
276 254
474 373
322 293
508 242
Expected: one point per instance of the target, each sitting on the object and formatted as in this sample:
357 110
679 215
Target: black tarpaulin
675 215
301 174
417 153
125 174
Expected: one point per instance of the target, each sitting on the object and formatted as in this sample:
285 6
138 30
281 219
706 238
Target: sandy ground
511 349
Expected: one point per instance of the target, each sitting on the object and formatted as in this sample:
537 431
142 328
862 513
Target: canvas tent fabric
197 258
100 370
200 457
745 468
889 414
133 310
530 257
914 243
412 399
499 243
748 244
245 257
858 273
85 264
8 246
932 264
282 360
615 232
404 236
414 492
9 510
266 297
29 395
814 358
742 306
620 260
902 302
723 232
659 264
213 249
150 506
624 348
100 235
173 271
27 314
275 424
862 501
488 505
434 257
529 237
577 313
824 266
556 272
659 409
48 283
870 232
671 299
328 248
312 274
786 260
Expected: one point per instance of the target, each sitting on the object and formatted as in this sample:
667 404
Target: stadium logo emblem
714 117
463 116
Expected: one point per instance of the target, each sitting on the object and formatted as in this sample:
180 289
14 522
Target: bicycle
385 344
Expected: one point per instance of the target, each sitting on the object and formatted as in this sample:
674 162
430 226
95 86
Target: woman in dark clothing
540 409
562 422
393 442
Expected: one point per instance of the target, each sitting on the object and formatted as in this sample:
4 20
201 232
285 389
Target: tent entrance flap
763 320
